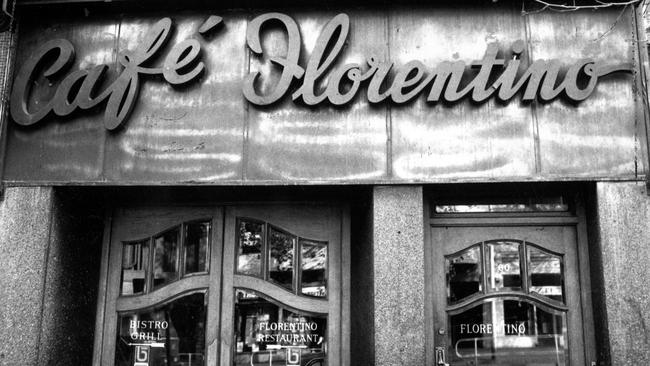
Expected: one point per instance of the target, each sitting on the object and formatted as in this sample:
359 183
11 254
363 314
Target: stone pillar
398 240
50 247
623 233
25 221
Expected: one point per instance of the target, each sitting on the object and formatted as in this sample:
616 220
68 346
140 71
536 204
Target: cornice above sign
489 77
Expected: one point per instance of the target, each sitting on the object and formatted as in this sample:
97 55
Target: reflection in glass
135 265
503 269
281 250
508 332
464 274
197 236
165 268
169 335
314 268
251 243
545 271
538 204
268 334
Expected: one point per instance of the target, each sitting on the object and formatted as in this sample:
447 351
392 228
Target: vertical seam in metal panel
104 134
4 117
636 60
641 83
246 123
389 115
534 104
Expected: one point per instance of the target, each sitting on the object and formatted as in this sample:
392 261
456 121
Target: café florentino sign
489 77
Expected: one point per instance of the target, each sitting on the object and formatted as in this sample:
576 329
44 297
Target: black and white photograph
324 183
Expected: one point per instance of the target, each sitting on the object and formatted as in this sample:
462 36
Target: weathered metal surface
64 149
598 137
289 142
207 132
463 140
191 134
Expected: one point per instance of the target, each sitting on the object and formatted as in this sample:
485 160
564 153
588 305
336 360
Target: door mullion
523 266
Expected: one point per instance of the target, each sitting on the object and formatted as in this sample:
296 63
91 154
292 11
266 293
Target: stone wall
50 247
622 241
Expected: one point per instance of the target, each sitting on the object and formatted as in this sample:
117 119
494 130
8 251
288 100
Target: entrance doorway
509 285
225 285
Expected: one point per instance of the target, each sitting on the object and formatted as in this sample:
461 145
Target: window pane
169 335
268 334
165 258
464 274
197 237
546 277
135 264
314 268
281 249
251 244
544 204
503 269
508 332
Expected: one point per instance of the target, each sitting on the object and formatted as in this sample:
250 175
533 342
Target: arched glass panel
464 274
508 331
546 273
170 253
135 265
294 263
165 262
172 334
250 247
267 333
503 266
281 257
313 277
197 239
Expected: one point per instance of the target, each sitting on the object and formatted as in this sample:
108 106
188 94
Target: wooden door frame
338 308
577 219
106 299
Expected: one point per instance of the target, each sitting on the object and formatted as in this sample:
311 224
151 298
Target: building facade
341 183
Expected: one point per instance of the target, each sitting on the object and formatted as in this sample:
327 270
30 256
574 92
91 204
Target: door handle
441 356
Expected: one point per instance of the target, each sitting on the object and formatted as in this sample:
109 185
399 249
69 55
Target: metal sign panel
181 103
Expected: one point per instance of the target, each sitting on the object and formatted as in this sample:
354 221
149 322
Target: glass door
506 295
162 286
282 301
236 285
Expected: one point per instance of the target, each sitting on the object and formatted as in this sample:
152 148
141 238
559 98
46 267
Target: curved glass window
506 305
152 263
172 334
464 274
504 266
313 275
297 264
545 274
501 331
250 247
281 252
135 267
268 333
